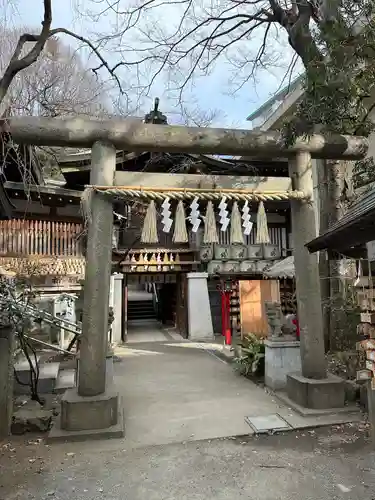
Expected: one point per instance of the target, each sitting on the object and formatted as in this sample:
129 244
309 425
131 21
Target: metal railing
38 315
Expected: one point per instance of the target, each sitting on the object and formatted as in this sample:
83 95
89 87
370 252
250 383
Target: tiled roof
281 269
42 266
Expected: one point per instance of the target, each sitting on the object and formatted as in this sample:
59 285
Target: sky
209 93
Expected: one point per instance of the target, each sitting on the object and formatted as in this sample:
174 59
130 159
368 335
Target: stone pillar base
316 394
94 417
281 358
80 413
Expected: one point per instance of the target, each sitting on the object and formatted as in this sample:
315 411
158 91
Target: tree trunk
324 270
332 178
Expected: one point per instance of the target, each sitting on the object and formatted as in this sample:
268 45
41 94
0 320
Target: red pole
228 333
223 313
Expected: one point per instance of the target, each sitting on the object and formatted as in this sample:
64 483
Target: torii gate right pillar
313 388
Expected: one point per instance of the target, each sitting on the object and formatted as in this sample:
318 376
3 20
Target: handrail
51 346
49 318
155 293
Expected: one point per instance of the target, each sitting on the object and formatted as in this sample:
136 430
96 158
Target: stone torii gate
93 408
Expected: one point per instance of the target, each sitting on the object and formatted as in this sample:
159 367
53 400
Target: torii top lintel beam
132 135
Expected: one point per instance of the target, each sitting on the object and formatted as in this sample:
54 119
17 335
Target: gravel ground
322 464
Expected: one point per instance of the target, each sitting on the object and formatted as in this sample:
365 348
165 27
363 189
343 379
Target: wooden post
307 272
6 379
93 348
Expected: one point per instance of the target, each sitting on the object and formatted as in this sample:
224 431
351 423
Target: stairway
141 310
53 378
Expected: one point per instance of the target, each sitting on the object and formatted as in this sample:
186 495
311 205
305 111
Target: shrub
249 361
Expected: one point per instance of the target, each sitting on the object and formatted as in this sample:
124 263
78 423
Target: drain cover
264 424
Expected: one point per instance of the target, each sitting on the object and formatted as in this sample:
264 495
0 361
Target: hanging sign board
368 373
143 279
369 365
371 251
368 344
364 375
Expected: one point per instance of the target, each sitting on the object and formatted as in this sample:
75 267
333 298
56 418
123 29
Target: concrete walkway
149 331
180 391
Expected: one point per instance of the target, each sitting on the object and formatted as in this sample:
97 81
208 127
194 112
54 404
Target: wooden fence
30 237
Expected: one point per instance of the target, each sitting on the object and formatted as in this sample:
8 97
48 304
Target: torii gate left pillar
93 408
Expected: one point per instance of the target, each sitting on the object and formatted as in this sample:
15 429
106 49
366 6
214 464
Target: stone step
65 380
142 304
22 363
48 373
141 314
141 309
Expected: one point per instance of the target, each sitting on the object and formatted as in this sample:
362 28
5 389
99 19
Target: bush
249 361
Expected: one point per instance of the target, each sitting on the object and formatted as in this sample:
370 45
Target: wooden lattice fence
32 237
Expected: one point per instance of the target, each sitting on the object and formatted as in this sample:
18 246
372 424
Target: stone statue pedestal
282 356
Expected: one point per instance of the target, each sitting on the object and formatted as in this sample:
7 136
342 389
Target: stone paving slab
264 424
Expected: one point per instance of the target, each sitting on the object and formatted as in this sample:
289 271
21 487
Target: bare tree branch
58 83
16 64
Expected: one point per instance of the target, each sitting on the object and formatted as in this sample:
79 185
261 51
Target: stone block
48 373
316 394
31 420
65 380
80 413
280 359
